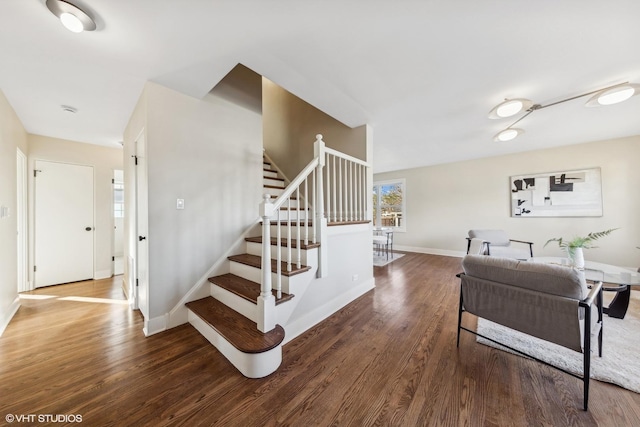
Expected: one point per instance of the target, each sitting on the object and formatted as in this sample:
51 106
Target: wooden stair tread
245 288
283 242
331 224
275 187
274 178
256 261
239 331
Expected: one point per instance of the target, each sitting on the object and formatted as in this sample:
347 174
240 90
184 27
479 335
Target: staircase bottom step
239 331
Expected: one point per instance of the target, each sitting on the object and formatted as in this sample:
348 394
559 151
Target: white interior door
142 228
63 223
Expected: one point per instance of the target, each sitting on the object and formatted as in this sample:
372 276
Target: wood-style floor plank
388 359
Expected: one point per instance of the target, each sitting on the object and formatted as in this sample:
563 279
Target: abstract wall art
566 193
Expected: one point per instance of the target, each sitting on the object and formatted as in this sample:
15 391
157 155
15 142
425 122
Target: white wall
103 160
445 201
12 136
209 153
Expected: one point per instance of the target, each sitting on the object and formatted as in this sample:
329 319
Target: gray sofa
550 302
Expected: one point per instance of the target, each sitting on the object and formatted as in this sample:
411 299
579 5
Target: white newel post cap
266 207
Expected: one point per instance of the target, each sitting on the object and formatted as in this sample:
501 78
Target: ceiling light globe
71 22
616 95
509 108
507 134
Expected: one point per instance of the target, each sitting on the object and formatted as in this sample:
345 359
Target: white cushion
495 237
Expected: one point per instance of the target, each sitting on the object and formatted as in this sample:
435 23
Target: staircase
244 314
228 318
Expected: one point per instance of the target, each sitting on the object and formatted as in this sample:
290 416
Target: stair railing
346 195
346 191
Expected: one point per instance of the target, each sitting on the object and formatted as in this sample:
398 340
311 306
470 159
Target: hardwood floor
387 359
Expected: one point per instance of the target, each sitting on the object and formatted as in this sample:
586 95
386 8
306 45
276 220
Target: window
389 204
118 200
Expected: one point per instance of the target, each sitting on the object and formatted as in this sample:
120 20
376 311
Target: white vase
576 258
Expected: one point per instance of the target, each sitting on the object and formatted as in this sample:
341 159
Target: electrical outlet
354 278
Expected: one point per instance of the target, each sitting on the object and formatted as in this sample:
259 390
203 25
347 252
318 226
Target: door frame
138 215
22 220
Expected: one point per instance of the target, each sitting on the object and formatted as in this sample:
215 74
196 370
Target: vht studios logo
43 418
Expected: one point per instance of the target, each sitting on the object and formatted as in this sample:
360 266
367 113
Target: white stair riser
270 174
256 249
233 301
274 182
251 365
255 275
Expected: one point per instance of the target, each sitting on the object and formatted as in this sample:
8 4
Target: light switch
180 204
4 211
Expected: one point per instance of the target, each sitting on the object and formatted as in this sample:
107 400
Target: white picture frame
573 193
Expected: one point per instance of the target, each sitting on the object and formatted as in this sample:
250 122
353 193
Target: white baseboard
101 274
155 325
309 320
430 251
10 312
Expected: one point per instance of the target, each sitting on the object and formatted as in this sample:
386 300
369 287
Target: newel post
321 220
266 301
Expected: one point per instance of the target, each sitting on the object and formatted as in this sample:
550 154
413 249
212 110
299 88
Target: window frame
378 220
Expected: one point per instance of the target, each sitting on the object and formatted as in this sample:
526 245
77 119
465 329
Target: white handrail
345 156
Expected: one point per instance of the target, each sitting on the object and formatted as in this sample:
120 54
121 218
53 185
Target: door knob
88 228
141 238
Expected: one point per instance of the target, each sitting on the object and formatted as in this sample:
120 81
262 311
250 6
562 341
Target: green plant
580 242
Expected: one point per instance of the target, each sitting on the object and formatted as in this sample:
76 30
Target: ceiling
423 73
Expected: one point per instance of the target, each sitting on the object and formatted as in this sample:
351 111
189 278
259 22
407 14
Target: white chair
383 240
497 243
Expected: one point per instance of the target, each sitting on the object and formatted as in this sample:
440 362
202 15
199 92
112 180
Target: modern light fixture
613 95
511 107
72 17
507 135
69 109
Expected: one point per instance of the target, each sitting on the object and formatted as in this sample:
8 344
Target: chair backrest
552 279
495 237
541 300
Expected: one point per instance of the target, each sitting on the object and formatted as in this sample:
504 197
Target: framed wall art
574 193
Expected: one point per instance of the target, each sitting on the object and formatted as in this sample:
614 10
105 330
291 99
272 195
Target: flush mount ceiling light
72 17
511 107
69 109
